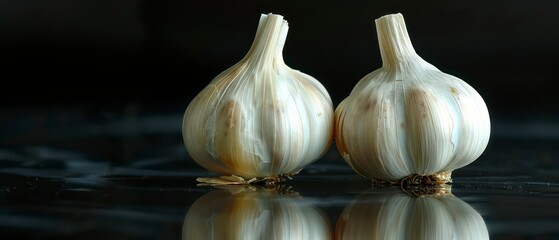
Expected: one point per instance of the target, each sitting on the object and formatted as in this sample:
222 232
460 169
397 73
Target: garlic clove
260 118
408 118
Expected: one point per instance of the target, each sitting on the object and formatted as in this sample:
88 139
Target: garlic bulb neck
395 45
268 43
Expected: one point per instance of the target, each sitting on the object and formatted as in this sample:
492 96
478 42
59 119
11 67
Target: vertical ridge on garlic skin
260 118
407 117
472 106
429 128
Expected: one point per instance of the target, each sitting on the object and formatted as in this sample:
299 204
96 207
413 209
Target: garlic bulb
396 215
260 118
408 118
251 213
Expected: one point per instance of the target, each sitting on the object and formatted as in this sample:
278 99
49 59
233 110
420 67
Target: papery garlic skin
260 117
408 117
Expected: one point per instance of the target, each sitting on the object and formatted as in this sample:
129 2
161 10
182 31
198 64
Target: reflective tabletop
128 176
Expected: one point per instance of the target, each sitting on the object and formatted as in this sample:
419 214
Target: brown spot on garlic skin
419 97
276 107
368 104
453 90
228 147
230 114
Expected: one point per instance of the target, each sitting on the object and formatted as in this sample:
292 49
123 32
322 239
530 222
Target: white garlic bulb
409 118
396 215
244 213
260 118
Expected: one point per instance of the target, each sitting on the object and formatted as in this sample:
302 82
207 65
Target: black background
103 53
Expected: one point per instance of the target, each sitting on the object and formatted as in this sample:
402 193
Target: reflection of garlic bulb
386 215
260 118
409 118
254 214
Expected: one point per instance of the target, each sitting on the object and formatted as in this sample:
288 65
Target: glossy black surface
127 175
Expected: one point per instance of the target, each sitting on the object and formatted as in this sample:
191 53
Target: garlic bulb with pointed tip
408 118
260 118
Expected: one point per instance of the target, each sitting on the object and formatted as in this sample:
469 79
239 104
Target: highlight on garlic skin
247 213
260 118
396 215
408 120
